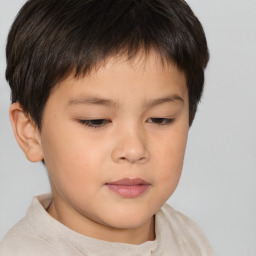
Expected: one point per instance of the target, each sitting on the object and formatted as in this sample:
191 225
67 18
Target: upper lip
129 182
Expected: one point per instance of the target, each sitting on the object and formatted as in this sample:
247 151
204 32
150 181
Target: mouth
129 188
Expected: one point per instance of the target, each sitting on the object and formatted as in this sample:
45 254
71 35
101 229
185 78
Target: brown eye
160 121
95 123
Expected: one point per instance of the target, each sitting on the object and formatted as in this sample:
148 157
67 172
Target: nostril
130 151
131 160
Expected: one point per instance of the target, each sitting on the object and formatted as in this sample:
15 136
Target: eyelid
101 122
165 120
94 123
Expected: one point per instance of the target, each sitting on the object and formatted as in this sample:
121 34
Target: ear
26 133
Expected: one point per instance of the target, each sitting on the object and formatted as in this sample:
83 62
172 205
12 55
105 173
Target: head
106 85
52 39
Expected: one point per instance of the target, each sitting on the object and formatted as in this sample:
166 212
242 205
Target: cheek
63 154
71 159
169 156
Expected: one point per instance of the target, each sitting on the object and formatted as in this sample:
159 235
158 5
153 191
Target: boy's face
113 143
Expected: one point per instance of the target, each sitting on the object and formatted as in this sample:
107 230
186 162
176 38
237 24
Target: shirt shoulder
21 241
185 232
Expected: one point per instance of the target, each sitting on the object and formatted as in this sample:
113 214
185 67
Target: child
104 93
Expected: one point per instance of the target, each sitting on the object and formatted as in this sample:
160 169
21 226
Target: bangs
50 39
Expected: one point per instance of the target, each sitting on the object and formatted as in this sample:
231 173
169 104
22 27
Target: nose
130 147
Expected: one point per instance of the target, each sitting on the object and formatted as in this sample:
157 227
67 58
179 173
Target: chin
127 221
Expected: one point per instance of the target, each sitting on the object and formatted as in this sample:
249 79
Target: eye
160 121
95 123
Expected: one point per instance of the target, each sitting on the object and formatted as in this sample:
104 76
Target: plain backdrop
218 184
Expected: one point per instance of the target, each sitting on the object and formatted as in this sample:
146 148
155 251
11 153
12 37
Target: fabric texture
38 234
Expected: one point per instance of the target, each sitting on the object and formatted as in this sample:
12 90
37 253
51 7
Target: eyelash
98 123
94 123
161 121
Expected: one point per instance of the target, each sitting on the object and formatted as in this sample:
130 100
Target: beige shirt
38 234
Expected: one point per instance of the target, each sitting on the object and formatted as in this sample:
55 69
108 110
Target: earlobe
26 133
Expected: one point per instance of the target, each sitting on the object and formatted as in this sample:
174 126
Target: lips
129 188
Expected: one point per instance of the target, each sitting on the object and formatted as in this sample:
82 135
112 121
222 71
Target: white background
218 185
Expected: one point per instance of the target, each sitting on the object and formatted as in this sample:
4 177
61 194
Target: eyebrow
110 103
92 101
154 102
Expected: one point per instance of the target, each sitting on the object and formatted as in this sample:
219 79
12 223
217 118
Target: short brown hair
50 39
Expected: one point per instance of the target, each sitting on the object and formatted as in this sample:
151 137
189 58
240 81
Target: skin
82 157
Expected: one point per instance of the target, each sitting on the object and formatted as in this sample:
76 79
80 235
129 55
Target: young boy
104 93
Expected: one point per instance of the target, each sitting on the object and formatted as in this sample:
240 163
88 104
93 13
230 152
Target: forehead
143 61
144 72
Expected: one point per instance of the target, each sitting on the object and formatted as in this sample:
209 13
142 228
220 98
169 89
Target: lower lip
132 191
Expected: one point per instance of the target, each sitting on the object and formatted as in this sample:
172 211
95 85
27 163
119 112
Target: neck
93 229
